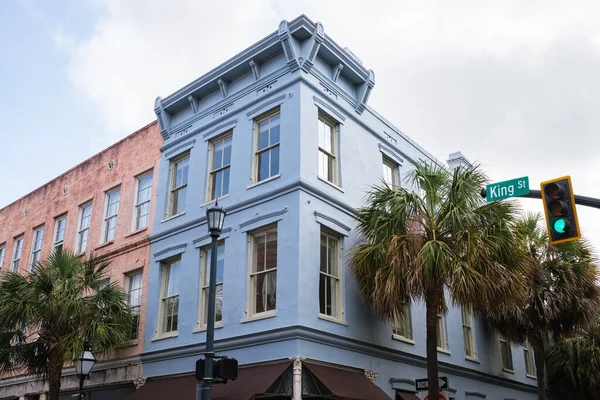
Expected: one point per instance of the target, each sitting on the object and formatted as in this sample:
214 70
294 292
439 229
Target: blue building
282 136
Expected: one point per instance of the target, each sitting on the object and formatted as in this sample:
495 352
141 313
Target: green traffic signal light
560 225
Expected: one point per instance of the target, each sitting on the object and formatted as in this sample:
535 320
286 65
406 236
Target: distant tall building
105 207
283 137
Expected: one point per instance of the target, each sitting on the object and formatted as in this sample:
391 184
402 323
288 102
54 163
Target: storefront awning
345 384
400 395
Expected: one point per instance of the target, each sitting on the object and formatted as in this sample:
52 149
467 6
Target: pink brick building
103 206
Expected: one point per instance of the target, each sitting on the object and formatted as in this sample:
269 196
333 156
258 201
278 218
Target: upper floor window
17 250
110 215
204 282
60 224
390 172
133 286
330 288
169 296
220 163
263 270
468 334
529 361
36 247
142 200
506 353
402 325
442 337
328 152
85 214
178 181
266 153
2 251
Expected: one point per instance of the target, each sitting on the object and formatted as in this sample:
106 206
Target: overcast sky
513 85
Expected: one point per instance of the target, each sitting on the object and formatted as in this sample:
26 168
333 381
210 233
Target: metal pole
209 354
81 379
579 200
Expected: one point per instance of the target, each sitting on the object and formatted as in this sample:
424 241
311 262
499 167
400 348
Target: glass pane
321 134
275 119
219 303
217 185
259 300
227 151
274 134
323 165
441 340
324 259
259 253
173 280
266 291
180 200
218 155
263 136
330 169
332 257
181 173
324 303
271 254
263 165
271 290
274 161
387 174
225 189
326 139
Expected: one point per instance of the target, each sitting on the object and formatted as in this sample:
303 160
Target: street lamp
216 217
84 365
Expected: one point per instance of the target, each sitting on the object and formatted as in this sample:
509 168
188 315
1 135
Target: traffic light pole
579 200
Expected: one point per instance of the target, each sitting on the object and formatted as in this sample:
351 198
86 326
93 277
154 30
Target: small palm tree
443 236
561 293
46 315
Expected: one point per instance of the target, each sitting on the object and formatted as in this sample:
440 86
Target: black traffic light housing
559 207
224 369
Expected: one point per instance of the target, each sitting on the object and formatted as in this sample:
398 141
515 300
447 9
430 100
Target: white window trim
509 348
79 230
396 323
163 291
470 325
339 311
255 152
136 203
33 250
250 298
530 356
171 188
211 172
14 257
2 254
204 264
335 133
105 218
56 243
128 281
444 337
386 161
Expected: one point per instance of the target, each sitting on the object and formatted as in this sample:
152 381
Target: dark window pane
227 151
274 161
217 184
274 135
263 166
225 189
218 155
263 139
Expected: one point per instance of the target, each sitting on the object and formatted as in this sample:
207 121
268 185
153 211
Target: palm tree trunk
540 366
432 304
56 366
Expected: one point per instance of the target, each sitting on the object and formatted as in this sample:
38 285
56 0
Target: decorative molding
318 38
264 219
170 251
255 69
391 153
288 49
206 239
371 375
164 118
274 102
363 98
222 128
331 109
223 86
297 363
332 223
138 383
193 103
223 110
336 71
475 394
179 149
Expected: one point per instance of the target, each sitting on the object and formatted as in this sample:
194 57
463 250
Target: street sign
504 190
422 385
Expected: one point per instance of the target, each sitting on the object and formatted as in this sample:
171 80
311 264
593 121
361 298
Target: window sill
403 339
214 200
333 185
132 342
445 351
137 231
332 319
472 359
263 181
510 371
531 376
257 317
104 245
218 325
172 217
165 336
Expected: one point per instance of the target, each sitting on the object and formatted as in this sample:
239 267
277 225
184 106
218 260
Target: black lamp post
216 218
83 366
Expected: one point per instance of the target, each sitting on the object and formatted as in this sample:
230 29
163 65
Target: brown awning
400 395
345 384
251 381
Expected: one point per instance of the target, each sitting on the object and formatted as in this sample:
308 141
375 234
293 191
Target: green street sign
504 190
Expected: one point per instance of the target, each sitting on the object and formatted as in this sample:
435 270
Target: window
134 299
36 248
330 288
14 266
204 281
468 335
505 351
390 172
442 339
85 214
110 215
327 150
529 362
220 159
142 201
178 185
402 325
60 225
169 303
263 272
266 154
2 251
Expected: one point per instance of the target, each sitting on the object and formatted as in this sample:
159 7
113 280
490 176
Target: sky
511 84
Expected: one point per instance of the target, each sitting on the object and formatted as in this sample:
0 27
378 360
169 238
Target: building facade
102 207
282 137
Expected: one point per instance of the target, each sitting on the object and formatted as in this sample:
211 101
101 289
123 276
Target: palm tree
414 245
574 363
561 293
46 315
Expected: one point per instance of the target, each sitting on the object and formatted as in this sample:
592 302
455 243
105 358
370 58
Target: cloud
503 81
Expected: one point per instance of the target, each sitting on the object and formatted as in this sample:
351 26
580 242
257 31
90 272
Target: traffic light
559 207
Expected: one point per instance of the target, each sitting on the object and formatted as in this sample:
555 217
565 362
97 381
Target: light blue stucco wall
298 201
